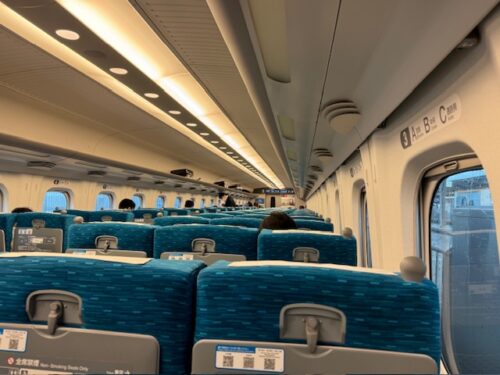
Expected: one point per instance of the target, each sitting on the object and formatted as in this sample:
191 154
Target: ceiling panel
188 28
34 73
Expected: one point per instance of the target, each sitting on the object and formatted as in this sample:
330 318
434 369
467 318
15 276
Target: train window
178 202
364 225
212 202
138 200
104 201
202 203
464 264
160 201
56 200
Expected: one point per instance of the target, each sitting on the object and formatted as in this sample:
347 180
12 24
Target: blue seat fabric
114 214
240 221
314 225
7 224
175 220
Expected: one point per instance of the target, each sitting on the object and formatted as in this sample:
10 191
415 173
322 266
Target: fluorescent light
204 134
119 25
119 71
214 142
68 34
151 95
191 124
222 148
229 152
174 112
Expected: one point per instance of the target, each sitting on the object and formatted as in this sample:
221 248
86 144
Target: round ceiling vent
342 116
39 164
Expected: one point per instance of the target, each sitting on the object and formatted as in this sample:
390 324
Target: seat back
116 298
314 225
82 213
308 246
228 239
146 214
214 216
176 211
111 215
129 236
303 312
175 220
49 220
240 221
7 222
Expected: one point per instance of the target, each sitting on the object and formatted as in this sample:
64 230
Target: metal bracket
312 323
106 218
56 307
38 223
106 243
306 255
203 245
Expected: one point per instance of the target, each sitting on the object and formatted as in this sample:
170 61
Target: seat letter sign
440 116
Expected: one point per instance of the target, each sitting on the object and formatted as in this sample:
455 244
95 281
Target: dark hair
20 210
301 207
126 204
230 202
189 203
278 220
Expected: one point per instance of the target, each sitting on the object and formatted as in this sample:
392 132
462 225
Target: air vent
133 178
192 188
322 152
177 186
342 116
313 177
40 164
159 182
96 173
316 168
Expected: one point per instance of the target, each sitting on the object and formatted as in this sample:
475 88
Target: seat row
198 240
129 315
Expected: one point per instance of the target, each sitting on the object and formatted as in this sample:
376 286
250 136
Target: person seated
126 204
301 207
20 210
189 203
230 202
279 221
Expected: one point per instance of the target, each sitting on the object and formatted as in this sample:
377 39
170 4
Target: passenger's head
230 202
301 207
189 203
278 220
126 204
20 210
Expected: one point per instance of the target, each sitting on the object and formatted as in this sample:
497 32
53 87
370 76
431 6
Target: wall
29 190
392 174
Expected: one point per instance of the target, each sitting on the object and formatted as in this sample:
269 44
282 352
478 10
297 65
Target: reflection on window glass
178 202
137 200
55 201
160 201
202 203
465 267
104 201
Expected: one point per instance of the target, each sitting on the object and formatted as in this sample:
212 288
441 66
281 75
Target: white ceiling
373 53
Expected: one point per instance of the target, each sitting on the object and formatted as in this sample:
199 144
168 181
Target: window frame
110 194
432 178
164 198
141 197
66 192
178 198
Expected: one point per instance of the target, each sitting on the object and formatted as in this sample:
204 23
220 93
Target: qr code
269 363
248 362
228 361
13 344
